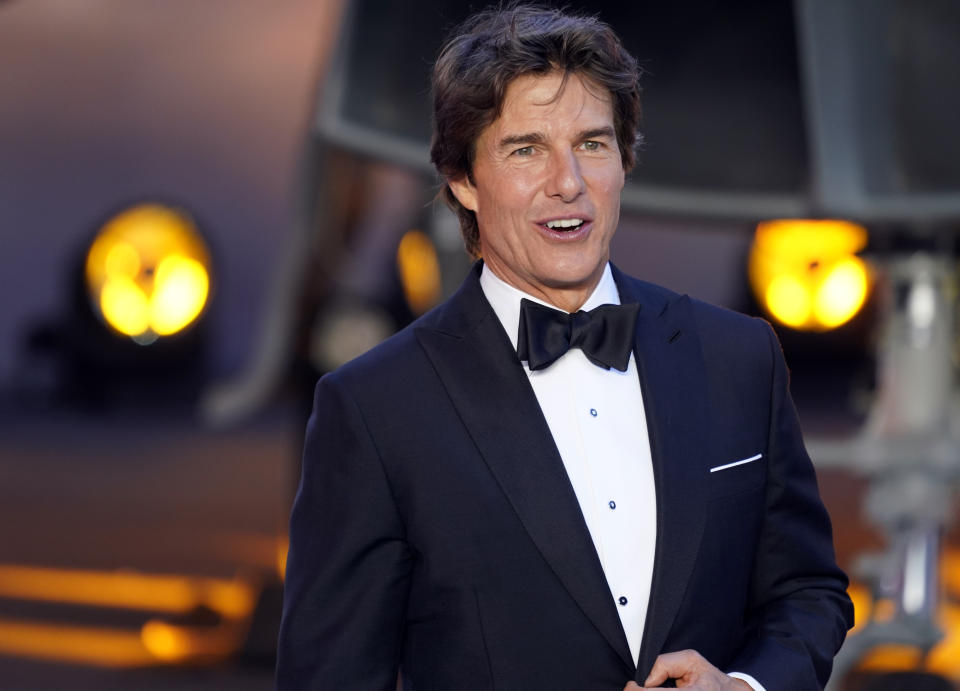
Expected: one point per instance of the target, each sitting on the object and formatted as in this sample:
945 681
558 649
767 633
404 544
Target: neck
567 298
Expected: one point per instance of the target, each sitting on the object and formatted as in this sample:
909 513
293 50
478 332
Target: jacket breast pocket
737 475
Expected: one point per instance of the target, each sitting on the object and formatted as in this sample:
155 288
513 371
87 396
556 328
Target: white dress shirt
598 423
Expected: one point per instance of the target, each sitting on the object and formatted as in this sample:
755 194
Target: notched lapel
673 380
487 384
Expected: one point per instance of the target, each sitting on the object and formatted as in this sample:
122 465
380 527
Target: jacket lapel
673 380
486 382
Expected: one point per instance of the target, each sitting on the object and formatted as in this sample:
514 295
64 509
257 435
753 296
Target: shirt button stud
622 600
612 504
593 411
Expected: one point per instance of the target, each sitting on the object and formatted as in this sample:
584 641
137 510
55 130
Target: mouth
566 228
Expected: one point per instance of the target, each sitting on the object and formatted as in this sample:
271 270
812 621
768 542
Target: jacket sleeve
798 604
348 566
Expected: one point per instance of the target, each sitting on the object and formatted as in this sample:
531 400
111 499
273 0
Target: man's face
547 177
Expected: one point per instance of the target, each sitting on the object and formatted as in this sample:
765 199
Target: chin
570 281
576 275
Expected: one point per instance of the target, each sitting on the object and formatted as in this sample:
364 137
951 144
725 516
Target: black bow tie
605 334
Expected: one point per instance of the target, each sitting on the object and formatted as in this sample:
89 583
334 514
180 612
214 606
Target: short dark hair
494 47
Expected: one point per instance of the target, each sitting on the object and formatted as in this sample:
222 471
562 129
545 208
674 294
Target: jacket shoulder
709 318
723 332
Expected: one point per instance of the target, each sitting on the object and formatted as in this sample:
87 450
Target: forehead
553 99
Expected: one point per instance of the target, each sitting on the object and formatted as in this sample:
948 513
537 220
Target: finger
672 666
631 685
658 674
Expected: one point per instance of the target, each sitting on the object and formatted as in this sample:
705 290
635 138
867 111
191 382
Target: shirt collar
505 299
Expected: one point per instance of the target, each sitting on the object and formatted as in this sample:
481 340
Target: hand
690 671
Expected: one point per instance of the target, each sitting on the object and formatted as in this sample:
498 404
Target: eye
524 151
592 145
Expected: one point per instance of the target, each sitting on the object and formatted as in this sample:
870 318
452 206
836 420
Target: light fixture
148 272
806 274
419 271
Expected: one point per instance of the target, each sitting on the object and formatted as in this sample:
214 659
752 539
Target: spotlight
806 273
419 271
148 272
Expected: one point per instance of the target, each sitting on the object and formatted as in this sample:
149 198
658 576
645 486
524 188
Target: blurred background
204 206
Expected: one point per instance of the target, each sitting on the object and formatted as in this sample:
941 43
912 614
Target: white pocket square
735 463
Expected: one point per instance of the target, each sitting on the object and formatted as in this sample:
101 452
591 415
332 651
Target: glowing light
862 605
419 271
164 641
147 272
891 657
179 294
230 599
125 306
842 293
122 260
174 643
944 657
950 570
806 273
788 299
85 645
126 590
282 550
158 640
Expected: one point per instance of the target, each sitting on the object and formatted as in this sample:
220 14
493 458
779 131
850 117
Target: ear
464 191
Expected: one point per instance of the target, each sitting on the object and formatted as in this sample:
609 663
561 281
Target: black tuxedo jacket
435 529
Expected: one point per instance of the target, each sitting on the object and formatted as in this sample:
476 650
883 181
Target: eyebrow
598 133
515 139
539 138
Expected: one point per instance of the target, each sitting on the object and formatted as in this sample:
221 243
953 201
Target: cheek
615 183
507 199
606 183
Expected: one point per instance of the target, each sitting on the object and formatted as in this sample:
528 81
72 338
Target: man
483 508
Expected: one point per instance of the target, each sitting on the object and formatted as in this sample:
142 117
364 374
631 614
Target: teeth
565 223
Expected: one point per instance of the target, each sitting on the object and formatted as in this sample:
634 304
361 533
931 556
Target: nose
565 179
